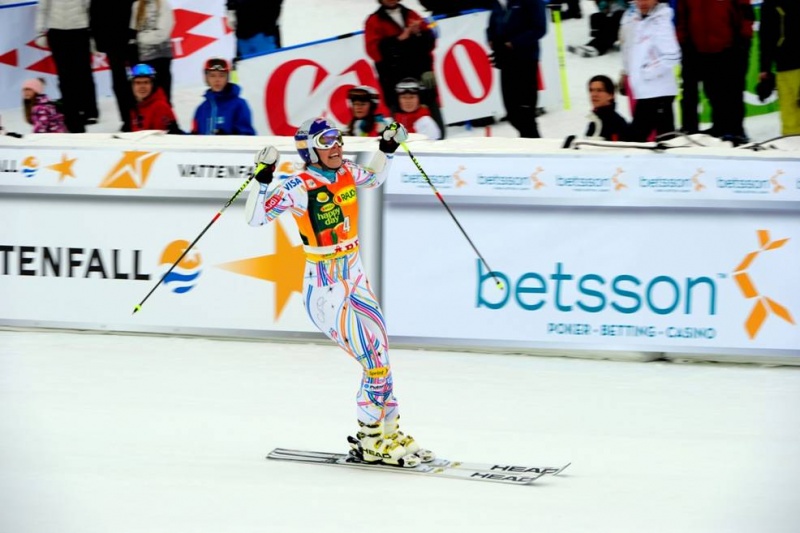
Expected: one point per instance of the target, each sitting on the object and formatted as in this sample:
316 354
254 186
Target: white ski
496 473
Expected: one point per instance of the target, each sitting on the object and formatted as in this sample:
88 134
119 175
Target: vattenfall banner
87 261
682 280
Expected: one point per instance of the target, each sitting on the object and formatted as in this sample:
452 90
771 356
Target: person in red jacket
152 110
401 44
715 44
413 114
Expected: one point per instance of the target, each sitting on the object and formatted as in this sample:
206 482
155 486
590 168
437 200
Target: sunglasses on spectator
327 139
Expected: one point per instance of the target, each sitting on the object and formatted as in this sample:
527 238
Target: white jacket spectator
62 15
153 21
650 51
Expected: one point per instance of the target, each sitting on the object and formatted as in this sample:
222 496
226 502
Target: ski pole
463 232
138 307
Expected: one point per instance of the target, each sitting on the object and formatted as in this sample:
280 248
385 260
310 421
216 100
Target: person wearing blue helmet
337 295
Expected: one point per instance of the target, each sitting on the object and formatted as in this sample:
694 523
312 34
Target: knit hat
35 84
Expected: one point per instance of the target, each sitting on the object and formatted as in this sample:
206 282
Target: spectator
515 27
153 22
224 112
780 43
39 110
401 44
63 25
108 22
716 39
414 115
604 120
453 7
603 28
649 54
365 121
256 25
152 110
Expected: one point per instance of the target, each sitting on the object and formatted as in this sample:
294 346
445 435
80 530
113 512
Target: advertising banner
652 280
200 32
645 179
146 168
303 81
98 257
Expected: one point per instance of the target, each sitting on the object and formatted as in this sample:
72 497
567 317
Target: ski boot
412 447
370 445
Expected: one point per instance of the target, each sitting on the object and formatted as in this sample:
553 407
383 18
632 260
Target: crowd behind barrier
392 38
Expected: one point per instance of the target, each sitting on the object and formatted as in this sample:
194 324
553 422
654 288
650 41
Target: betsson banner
300 82
631 279
200 32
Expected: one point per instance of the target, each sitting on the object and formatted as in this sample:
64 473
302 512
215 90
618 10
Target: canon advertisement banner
580 278
304 81
100 256
200 32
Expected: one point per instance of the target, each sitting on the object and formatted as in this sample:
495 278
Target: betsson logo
629 294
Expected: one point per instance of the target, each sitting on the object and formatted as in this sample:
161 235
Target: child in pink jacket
39 110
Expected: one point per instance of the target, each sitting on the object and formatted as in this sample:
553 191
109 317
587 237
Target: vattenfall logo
183 277
630 294
28 167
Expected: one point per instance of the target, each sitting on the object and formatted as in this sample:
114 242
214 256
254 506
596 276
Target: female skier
337 294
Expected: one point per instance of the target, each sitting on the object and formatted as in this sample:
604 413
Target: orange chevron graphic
698 186
777 187
618 184
457 179
537 183
131 172
763 305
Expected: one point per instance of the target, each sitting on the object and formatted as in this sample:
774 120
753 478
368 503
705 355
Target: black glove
391 137
765 87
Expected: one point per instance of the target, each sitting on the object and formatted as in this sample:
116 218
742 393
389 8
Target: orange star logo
457 179
763 305
536 182
64 168
698 185
618 183
131 171
284 268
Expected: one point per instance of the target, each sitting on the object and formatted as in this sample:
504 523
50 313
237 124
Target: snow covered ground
138 434
309 20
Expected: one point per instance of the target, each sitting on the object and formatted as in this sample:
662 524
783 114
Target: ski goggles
327 139
407 88
217 64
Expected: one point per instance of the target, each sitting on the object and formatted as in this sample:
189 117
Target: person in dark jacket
224 112
780 43
715 46
401 44
109 23
152 110
514 30
604 121
256 25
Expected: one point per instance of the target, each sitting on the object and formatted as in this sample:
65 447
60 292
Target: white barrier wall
690 251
